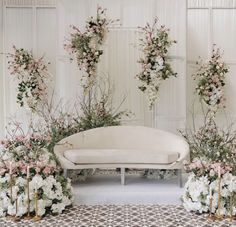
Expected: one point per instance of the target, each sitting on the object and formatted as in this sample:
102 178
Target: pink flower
47 170
212 173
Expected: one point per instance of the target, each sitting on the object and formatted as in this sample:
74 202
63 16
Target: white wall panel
170 112
224 31
137 12
120 64
46 36
198 34
68 74
18 31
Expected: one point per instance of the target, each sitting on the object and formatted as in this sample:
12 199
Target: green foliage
212 144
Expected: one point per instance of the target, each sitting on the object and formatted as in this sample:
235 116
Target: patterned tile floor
123 216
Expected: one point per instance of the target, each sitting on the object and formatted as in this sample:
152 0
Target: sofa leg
65 172
122 172
180 180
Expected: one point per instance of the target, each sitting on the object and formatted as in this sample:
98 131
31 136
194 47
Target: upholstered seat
122 147
112 156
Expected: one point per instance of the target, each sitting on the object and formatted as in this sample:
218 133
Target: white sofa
123 147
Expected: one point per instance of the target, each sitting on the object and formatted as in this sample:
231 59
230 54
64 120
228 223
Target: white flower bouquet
203 184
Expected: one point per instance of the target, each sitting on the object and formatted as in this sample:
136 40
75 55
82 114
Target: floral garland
155 63
85 46
203 184
210 78
31 74
23 157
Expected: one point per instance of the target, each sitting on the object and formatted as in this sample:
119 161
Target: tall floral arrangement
27 156
32 75
210 144
155 62
210 78
212 157
85 47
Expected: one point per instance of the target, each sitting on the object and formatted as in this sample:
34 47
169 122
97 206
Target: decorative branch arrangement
155 62
85 47
32 75
210 78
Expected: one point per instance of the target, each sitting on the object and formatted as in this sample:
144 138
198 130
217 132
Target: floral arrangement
212 144
32 75
85 46
210 78
155 62
23 159
203 185
99 111
212 169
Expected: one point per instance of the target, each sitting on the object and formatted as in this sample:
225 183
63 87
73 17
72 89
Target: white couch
123 147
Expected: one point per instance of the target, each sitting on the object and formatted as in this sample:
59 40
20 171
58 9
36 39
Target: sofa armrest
183 156
59 150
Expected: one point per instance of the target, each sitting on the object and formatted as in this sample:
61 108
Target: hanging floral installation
85 47
210 78
31 181
32 75
155 62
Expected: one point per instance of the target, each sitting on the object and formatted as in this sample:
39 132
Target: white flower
36 183
3 180
11 209
41 207
66 201
21 181
57 208
2 212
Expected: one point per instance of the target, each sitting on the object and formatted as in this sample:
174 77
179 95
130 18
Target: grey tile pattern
122 216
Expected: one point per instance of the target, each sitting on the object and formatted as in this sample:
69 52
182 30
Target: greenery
32 76
211 144
98 110
210 78
155 62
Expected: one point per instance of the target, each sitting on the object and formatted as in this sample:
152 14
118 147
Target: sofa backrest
127 137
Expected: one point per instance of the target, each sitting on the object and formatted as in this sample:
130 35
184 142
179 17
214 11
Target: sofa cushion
116 156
